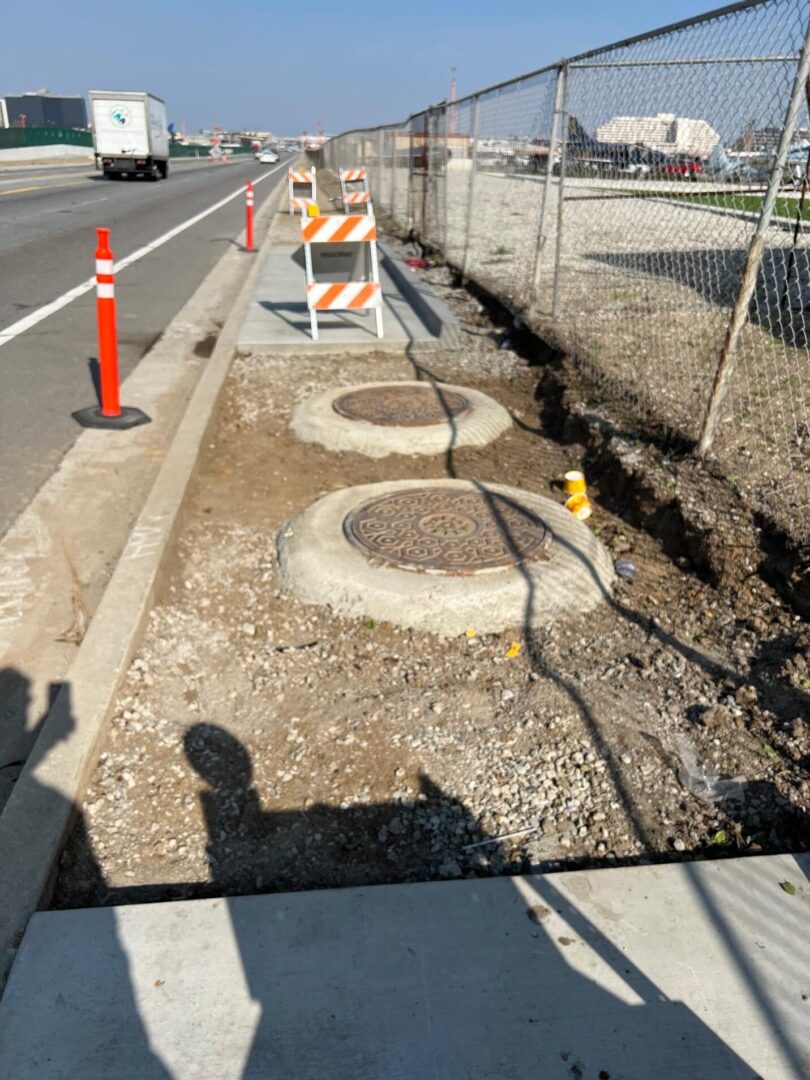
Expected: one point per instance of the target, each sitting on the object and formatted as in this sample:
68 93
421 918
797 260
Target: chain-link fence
646 207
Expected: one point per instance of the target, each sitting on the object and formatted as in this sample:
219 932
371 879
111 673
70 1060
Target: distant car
267 157
682 165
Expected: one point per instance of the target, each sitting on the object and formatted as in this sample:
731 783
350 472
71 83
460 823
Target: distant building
665 132
43 109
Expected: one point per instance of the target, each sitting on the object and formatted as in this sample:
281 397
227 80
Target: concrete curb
433 312
42 807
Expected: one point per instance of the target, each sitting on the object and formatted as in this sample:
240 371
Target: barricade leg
375 276
313 322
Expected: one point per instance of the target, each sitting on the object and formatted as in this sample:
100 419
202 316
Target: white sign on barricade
343 273
303 189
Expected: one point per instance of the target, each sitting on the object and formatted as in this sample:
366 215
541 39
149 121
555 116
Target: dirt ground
259 744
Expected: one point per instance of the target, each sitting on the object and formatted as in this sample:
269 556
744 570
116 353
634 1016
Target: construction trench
385 652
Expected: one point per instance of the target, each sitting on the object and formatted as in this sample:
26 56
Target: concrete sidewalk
698 971
278 321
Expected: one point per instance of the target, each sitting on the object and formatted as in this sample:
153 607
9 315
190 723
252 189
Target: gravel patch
259 744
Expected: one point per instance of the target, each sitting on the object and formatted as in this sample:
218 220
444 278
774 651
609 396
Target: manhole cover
401 406
446 531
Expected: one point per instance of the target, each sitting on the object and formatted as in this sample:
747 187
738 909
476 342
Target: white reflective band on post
104 266
105 291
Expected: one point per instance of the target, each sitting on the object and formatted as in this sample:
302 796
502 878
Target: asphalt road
48 219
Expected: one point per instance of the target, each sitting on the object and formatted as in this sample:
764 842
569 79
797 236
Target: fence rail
646 207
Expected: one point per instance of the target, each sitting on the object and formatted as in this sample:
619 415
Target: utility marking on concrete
144 540
37 316
16 583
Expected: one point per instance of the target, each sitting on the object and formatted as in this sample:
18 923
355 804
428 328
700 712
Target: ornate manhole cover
446 531
401 406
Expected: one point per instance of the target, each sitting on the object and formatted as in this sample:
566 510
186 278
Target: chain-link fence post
394 137
446 154
429 129
753 260
409 215
471 186
378 194
553 142
564 133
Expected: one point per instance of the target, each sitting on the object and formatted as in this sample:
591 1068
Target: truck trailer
130 134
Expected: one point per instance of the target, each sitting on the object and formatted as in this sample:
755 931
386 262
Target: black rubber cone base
129 418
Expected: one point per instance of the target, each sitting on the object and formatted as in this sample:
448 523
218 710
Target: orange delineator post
109 414
249 215
107 332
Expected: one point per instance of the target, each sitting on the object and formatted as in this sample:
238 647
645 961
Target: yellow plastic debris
513 650
574 483
580 506
470 633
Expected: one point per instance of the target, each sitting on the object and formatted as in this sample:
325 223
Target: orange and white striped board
356 198
344 296
363 290
354 195
335 229
303 188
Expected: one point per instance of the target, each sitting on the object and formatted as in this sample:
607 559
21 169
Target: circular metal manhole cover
446 531
401 406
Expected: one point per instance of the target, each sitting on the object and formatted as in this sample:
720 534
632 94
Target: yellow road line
42 187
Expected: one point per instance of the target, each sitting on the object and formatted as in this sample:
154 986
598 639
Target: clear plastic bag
702 781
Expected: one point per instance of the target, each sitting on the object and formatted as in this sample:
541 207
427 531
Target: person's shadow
69 948
406 996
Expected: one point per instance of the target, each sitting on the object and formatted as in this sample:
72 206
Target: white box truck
130 134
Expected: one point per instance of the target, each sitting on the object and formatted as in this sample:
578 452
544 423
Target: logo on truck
120 115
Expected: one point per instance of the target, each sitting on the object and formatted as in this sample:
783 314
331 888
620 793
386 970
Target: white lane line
43 312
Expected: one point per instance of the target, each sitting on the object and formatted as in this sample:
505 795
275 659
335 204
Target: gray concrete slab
697 971
278 317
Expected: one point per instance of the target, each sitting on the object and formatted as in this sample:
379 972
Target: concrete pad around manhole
444 556
377 419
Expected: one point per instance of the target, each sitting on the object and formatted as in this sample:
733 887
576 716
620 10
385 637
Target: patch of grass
729 200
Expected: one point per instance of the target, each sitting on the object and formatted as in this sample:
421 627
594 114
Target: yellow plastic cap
580 506
574 483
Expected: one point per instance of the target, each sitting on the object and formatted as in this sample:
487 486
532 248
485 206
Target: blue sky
279 65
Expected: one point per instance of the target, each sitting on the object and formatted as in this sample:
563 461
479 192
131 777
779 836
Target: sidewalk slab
699 971
277 318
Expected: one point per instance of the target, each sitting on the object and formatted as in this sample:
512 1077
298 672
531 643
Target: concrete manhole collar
444 556
377 419
402 404
442 530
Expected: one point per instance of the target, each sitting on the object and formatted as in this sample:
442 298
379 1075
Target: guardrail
644 206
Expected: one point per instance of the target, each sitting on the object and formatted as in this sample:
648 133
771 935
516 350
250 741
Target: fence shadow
781 301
